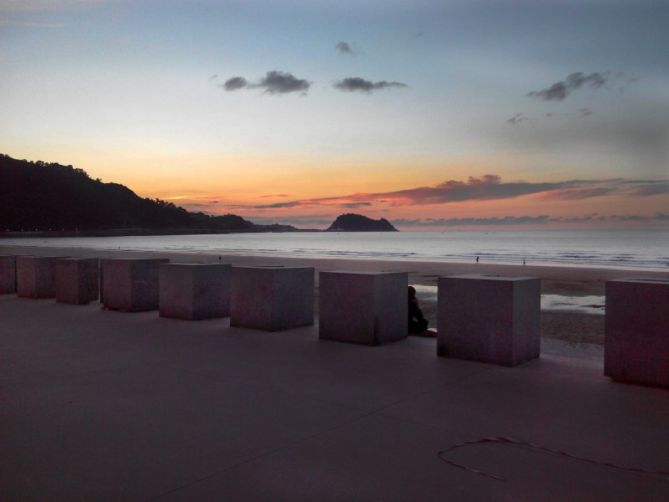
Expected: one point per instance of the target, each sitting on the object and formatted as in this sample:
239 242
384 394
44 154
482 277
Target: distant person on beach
477 259
417 322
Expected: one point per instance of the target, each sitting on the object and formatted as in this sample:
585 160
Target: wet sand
569 327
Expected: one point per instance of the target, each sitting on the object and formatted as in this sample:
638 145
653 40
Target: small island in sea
358 223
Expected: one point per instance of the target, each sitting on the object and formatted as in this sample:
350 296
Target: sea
622 249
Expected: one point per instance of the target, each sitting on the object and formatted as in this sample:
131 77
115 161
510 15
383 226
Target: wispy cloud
487 187
353 84
563 88
274 82
517 119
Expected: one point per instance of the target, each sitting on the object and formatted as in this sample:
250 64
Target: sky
436 115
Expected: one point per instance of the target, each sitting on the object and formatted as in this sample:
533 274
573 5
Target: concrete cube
489 318
272 298
7 274
130 284
194 291
367 308
36 276
636 346
77 280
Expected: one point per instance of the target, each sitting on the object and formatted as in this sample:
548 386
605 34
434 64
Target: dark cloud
280 205
516 119
280 82
344 48
234 83
584 112
659 188
560 90
353 205
352 84
488 187
274 82
582 193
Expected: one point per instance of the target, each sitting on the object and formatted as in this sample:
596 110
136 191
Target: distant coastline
130 232
47 196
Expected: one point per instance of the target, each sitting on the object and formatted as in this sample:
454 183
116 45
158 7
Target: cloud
274 82
584 112
279 82
352 84
581 193
516 119
488 187
344 48
234 83
353 205
280 205
560 90
649 190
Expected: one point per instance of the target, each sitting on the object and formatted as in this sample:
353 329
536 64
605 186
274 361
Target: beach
562 329
102 405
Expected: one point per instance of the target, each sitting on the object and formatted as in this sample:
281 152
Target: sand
579 329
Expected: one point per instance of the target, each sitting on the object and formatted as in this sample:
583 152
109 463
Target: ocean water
627 249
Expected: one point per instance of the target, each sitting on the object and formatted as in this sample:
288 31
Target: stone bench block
7 274
195 291
130 284
636 345
272 298
368 308
77 280
489 318
36 276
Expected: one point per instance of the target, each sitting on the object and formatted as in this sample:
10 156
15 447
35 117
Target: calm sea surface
619 249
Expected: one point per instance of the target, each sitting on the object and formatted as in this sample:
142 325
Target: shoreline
556 279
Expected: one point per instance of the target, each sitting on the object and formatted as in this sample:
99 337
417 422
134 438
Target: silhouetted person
477 259
417 323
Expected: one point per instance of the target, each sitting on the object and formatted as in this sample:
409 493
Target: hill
358 223
39 196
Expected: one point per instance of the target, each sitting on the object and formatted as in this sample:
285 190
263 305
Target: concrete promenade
102 405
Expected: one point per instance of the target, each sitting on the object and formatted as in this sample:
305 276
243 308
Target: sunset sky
445 114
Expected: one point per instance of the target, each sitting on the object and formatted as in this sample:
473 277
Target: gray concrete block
272 298
636 345
368 308
195 291
77 280
489 318
36 276
130 284
7 274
